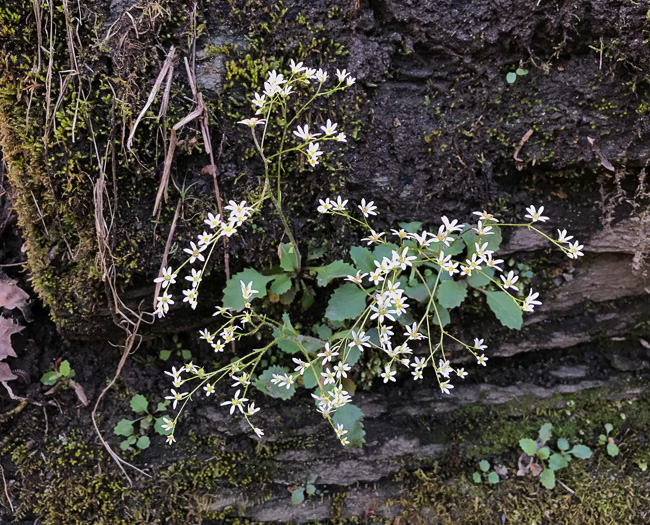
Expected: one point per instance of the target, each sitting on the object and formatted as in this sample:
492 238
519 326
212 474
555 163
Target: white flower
535 215
176 396
330 379
259 100
420 362
443 368
342 75
251 409
195 252
451 227
190 297
460 372
340 204
170 439
325 206
302 365
252 122
478 344
563 237
483 230
388 374
304 134
296 68
258 431
329 128
229 229
481 359
195 278
359 340
168 277
167 425
246 290
321 76
164 302
445 386
342 369
510 280
340 431
492 263
530 302
356 279
350 81
217 346
328 353
417 374
373 238
205 238
341 137
209 389
235 402
575 250
485 216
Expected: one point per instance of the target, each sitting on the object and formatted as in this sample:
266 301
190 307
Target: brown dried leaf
5 373
7 328
81 394
13 297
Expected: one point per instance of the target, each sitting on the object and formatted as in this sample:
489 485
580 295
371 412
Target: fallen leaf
81 394
7 328
13 297
5 373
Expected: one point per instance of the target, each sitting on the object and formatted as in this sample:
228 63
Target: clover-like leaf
581 451
139 403
548 478
124 428
347 302
528 445
351 417
451 294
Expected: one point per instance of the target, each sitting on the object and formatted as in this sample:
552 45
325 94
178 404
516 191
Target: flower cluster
239 213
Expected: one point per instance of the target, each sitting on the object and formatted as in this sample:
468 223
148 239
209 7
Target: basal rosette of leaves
393 294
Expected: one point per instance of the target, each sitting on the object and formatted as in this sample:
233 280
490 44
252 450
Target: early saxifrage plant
394 294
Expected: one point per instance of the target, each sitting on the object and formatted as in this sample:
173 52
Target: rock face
439 130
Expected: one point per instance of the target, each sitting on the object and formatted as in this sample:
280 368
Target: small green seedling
62 372
127 427
539 459
186 355
298 494
492 477
612 448
512 76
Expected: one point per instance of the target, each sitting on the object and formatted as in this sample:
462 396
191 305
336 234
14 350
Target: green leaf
419 291
484 465
310 489
443 313
521 72
545 432
471 238
505 309
557 461
139 403
281 284
311 375
363 259
298 496
528 445
581 451
544 452
165 354
49 378
263 383
124 428
351 417
612 449
124 445
232 297
334 270
411 227
451 294
64 368
145 423
307 299
143 442
158 427
353 356
547 478
562 444
162 406
311 479
288 258
323 331
186 354
609 427
476 477
511 77
493 478
347 302
480 279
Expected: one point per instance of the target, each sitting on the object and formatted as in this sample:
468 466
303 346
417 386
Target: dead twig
523 141
152 95
4 482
